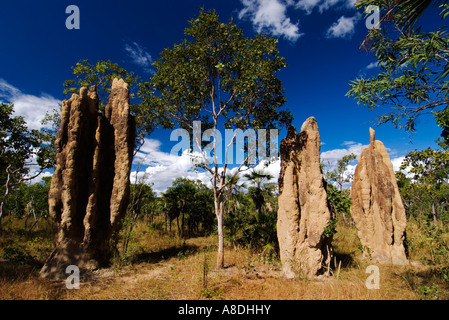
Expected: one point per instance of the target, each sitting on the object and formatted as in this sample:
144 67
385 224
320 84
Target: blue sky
320 40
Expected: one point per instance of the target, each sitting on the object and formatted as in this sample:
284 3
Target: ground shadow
13 272
158 256
345 259
415 279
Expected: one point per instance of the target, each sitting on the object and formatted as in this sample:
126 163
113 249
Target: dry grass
162 266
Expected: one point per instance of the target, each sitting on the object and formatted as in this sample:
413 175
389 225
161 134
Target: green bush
17 254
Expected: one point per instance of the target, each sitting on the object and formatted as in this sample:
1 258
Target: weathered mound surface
377 207
303 209
90 186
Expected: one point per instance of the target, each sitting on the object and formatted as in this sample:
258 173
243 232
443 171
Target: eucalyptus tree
225 80
428 183
19 147
414 66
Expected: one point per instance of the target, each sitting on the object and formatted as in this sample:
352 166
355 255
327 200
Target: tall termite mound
377 207
89 189
303 211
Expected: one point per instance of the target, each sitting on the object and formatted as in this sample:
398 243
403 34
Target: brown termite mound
89 190
377 207
303 211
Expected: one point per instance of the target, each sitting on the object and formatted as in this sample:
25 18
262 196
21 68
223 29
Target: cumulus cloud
154 166
323 5
307 5
344 27
31 108
162 168
397 162
350 3
332 156
372 65
139 56
272 168
270 16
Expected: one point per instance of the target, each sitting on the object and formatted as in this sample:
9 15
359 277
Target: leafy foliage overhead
414 66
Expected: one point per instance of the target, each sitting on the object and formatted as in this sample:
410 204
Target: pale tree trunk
434 214
5 195
219 213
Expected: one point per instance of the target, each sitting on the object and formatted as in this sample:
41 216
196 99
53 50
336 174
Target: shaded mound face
90 187
303 209
377 207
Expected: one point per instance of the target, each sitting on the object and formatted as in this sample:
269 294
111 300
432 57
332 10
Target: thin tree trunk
5 195
344 217
182 226
166 215
434 214
219 213
36 220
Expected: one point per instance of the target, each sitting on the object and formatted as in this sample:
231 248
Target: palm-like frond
412 9
404 12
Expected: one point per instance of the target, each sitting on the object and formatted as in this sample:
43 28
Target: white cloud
40 177
7 90
270 16
272 168
344 27
351 3
151 155
329 158
139 56
31 108
162 168
372 65
307 5
397 162
323 5
332 156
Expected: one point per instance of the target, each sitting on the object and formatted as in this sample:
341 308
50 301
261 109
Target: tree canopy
217 72
414 66
425 188
101 74
223 79
19 149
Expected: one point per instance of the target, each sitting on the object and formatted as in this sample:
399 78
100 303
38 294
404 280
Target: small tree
18 145
190 200
225 80
338 198
257 178
340 175
141 199
430 170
